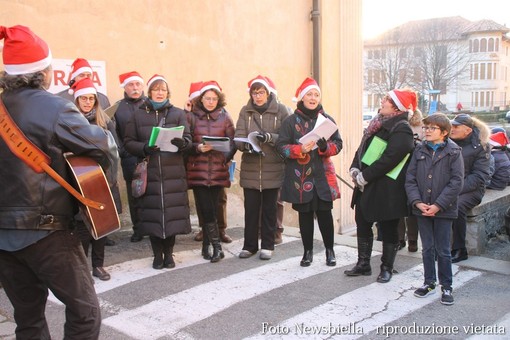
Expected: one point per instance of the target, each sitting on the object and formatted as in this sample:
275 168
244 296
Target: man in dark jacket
38 251
132 83
472 135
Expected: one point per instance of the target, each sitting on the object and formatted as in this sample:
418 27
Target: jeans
57 263
435 239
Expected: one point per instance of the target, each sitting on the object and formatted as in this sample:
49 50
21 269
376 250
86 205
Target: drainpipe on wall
316 42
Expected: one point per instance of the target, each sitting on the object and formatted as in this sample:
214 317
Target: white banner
62 72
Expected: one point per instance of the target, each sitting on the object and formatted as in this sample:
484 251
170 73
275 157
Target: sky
380 16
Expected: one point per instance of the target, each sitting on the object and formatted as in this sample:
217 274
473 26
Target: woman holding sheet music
261 166
207 167
310 180
164 208
378 172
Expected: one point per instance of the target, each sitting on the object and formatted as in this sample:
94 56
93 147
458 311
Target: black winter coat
384 198
164 209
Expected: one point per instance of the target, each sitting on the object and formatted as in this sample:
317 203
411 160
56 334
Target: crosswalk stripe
363 310
139 269
147 322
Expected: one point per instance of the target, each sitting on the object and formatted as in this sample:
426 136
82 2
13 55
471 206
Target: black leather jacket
34 201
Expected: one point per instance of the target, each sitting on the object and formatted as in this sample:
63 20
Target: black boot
362 267
157 249
206 253
387 259
307 259
330 257
168 249
213 235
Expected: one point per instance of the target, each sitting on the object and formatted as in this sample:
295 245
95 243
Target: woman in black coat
377 196
164 208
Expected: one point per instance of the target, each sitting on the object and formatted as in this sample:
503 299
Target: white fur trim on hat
130 79
397 102
17 69
153 79
86 90
80 71
305 91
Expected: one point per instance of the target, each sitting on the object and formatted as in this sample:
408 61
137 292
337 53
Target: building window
475 72
476 99
497 45
370 54
470 46
476 45
417 52
377 54
489 71
482 103
491 45
488 99
402 53
483 45
482 71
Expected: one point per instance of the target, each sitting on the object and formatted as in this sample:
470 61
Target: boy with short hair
434 179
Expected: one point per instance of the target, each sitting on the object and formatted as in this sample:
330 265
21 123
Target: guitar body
92 184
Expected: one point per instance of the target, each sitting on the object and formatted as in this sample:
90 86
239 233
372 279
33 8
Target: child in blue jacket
433 182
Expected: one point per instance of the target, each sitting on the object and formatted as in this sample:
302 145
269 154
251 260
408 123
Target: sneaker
425 290
244 254
266 254
447 297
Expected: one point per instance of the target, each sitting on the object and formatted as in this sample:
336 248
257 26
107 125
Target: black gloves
264 137
150 150
322 144
178 142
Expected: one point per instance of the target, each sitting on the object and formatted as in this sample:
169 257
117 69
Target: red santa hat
404 99
272 86
194 90
498 139
80 66
126 78
154 78
210 85
307 85
23 51
265 81
82 87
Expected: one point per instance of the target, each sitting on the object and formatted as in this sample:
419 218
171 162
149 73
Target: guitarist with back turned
38 251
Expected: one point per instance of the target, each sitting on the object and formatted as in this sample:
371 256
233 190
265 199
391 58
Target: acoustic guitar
92 184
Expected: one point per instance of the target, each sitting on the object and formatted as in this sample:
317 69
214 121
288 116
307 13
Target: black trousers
57 263
86 239
389 229
259 210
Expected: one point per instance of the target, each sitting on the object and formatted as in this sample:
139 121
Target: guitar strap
34 157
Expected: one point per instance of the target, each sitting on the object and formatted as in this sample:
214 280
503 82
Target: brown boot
278 236
224 237
199 236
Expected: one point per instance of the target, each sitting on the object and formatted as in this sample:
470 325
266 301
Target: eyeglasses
259 93
87 99
430 128
210 99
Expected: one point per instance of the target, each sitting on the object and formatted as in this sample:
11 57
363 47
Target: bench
486 220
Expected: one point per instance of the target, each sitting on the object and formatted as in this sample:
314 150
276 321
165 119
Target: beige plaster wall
230 41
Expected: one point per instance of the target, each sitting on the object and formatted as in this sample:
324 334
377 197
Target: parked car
367 117
507 116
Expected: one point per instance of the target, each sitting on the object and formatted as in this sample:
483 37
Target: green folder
374 152
157 129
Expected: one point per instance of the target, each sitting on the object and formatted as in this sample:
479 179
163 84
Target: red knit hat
83 86
210 85
80 66
307 85
128 77
23 51
261 80
498 139
404 99
154 78
194 90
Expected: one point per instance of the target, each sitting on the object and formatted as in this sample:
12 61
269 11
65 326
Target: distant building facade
452 62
